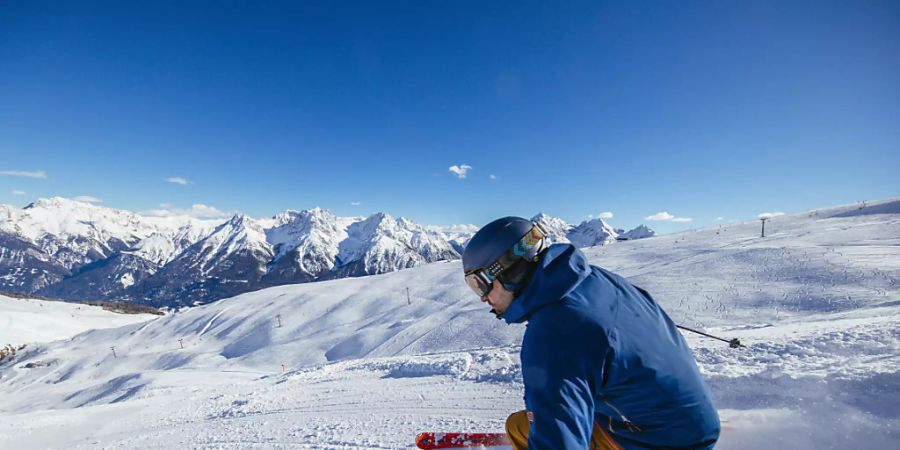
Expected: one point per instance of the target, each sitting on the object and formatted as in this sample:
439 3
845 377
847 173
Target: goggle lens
480 282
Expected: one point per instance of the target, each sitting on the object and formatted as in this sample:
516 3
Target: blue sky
703 110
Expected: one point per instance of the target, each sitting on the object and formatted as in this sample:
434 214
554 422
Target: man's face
499 298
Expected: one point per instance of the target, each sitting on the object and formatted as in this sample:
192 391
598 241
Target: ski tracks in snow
210 322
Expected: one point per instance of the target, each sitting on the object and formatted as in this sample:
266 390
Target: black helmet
496 251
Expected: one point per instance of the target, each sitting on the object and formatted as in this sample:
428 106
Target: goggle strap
520 250
495 268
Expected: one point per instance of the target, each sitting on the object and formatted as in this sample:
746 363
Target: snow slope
368 362
27 321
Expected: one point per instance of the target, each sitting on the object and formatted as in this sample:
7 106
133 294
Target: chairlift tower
763 220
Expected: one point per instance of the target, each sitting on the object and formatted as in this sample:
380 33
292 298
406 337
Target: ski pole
733 343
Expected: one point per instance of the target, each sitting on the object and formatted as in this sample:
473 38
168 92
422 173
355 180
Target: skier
603 366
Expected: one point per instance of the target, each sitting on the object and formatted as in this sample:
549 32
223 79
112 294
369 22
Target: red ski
460 440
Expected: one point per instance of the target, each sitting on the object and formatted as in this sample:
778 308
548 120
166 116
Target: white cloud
355 203
492 176
462 228
18 192
769 215
165 205
178 180
460 171
459 228
719 219
197 211
18 173
87 199
660 216
605 215
664 216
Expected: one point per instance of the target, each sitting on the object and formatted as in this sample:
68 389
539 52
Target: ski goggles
481 281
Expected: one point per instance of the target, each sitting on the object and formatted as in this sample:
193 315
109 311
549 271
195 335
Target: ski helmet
505 249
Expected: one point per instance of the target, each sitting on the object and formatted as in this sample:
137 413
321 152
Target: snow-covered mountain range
67 249
589 233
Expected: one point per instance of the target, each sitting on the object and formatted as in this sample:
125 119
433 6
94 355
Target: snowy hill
29 321
368 362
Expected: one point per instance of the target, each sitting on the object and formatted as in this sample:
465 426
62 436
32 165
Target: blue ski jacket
599 349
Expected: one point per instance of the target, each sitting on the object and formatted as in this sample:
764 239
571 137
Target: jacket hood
561 268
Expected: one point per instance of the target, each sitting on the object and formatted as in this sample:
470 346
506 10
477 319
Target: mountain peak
556 228
596 221
238 220
59 202
592 232
639 232
381 244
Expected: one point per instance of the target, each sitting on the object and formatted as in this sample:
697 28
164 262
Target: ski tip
423 441
431 440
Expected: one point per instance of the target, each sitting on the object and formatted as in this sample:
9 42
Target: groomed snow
359 363
28 321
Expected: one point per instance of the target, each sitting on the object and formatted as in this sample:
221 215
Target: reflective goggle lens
479 282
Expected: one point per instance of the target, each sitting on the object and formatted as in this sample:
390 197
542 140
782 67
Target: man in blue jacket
599 356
